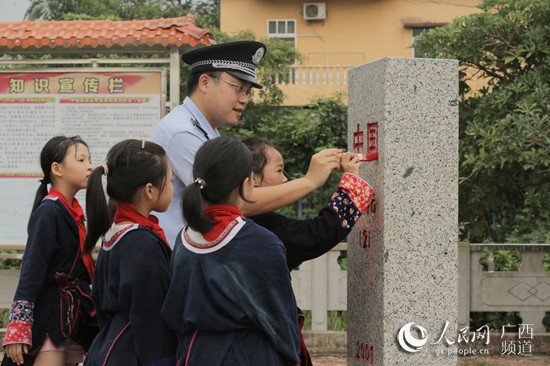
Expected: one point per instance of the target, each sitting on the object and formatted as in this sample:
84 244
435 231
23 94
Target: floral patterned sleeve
351 199
20 323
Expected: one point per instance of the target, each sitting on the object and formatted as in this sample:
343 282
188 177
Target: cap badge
258 55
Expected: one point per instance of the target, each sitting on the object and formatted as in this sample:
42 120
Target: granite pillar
403 253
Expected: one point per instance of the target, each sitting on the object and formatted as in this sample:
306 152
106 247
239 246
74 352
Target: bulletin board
102 106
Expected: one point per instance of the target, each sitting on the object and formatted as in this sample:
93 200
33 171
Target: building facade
334 35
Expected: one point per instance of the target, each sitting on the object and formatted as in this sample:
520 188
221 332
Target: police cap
236 58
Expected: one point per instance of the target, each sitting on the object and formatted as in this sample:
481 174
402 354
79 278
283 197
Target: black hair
130 167
258 147
54 151
222 164
193 80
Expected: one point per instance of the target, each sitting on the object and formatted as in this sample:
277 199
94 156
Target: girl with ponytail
52 319
230 297
132 274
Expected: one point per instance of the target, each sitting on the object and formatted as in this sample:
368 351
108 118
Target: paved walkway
337 360
538 360
340 360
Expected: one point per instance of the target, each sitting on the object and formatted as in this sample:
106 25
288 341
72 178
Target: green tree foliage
495 320
504 126
42 10
10 263
207 14
504 261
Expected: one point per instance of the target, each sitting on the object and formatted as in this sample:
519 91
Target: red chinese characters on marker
372 141
358 139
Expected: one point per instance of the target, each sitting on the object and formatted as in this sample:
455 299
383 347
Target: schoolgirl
52 319
311 238
230 298
132 274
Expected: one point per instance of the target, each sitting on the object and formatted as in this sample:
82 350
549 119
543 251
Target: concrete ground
336 360
535 360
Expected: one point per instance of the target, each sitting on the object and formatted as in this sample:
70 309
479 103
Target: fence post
463 284
319 293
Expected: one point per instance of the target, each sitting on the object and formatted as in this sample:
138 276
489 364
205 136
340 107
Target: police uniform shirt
181 133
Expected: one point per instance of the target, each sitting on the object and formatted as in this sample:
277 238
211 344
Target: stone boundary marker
402 255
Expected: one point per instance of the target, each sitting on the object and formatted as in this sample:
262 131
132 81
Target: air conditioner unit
315 11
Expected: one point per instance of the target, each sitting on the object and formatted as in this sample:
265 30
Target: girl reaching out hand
52 319
310 238
133 273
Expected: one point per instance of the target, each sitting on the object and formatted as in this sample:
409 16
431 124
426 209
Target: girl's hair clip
200 182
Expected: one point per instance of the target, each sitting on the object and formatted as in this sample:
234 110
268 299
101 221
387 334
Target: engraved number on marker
366 239
364 353
371 208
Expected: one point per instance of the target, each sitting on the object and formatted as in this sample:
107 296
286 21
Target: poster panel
103 106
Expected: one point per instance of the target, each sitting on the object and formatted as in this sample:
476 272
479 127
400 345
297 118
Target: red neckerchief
225 214
128 212
78 215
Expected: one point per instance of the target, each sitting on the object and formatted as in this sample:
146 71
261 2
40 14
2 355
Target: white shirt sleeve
181 152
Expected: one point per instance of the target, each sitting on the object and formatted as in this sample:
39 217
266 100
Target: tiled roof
103 34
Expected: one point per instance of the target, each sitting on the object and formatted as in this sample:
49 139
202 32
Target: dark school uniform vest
231 300
130 283
54 284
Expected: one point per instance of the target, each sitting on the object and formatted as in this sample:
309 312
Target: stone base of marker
402 255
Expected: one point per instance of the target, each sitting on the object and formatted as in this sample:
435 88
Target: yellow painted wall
354 31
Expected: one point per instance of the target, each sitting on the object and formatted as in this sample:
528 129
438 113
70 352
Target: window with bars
284 29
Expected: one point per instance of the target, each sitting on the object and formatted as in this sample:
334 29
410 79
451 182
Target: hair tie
105 169
200 182
44 180
142 144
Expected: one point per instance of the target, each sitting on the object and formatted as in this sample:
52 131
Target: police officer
222 82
